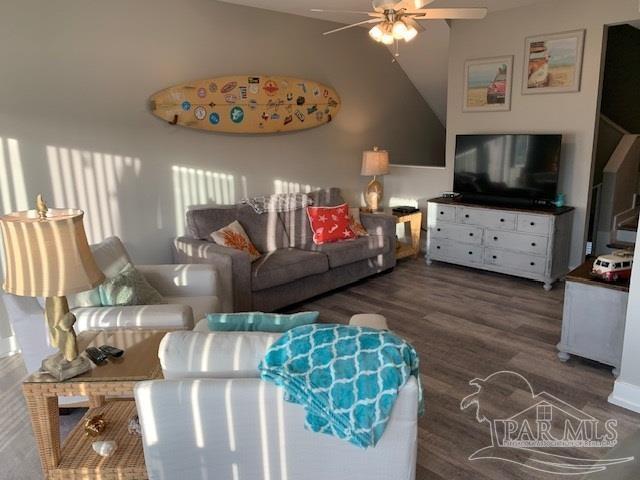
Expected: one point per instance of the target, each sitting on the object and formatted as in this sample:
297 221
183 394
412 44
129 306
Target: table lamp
374 162
47 255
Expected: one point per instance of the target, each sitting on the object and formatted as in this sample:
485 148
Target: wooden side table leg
45 421
416 227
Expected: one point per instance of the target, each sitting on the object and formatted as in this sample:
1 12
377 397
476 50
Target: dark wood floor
466 324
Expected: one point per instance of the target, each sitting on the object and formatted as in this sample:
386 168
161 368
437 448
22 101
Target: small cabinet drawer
515 261
459 233
446 213
537 224
488 218
521 242
445 249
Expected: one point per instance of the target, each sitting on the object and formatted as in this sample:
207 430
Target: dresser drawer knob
466 215
495 239
470 253
532 263
437 229
471 234
441 213
502 220
533 244
495 257
438 247
532 223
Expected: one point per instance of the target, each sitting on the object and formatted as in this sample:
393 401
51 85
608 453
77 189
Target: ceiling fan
394 21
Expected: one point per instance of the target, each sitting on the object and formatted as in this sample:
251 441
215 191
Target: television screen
510 166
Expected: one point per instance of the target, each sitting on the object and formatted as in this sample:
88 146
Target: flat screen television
511 168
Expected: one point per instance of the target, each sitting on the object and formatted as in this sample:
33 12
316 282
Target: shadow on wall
97 183
199 187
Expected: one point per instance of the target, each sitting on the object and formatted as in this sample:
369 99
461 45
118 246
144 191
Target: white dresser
526 243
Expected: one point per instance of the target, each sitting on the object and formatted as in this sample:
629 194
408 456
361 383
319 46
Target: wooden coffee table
75 458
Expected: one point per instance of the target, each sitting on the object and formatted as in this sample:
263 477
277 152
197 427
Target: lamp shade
48 257
375 162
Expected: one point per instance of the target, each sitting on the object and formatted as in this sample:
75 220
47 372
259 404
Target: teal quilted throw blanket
347 378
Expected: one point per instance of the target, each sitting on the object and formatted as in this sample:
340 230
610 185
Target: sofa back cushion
213 355
296 222
266 230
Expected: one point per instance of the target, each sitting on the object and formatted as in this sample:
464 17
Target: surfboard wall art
247 104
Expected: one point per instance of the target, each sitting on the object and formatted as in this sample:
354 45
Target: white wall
572 114
74 122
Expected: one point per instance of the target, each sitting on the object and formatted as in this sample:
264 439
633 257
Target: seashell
95 425
104 448
133 426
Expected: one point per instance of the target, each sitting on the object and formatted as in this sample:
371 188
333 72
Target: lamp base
61 369
373 195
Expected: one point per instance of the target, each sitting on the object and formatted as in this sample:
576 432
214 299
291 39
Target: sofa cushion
344 253
296 222
234 236
266 230
286 265
330 224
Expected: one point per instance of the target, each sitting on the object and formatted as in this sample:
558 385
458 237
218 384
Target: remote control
96 355
111 351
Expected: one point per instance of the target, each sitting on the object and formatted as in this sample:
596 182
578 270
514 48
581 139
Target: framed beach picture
487 84
553 63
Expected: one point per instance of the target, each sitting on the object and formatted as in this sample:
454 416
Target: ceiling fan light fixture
387 39
410 34
376 33
399 30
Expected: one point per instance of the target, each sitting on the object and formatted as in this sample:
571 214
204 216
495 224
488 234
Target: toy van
613 267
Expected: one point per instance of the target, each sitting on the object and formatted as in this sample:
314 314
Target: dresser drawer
538 224
445 213
515 261
446 249
521 242
459 233
488 218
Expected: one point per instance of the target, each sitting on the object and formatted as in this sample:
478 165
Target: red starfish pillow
330 224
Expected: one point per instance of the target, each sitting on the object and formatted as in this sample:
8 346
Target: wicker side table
75 458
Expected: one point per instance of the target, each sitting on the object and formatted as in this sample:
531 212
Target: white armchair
191 291
212 417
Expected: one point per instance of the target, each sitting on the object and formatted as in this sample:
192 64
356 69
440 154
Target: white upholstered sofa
212 417
190 291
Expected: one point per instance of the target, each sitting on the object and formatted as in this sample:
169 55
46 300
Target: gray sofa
292 268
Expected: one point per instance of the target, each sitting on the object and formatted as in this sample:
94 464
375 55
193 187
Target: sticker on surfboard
247 104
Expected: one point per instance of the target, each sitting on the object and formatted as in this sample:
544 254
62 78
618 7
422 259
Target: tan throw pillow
356 224
234 236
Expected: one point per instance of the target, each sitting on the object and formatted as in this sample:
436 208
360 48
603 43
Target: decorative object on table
247 104
355 222
330 224
110 351
234 236
133 426
553 62
259 321
104 448
404 210
374 162
354 402
279 202
128 287
395 21
613 267
95 425
487 84
96 356
560 200
47 255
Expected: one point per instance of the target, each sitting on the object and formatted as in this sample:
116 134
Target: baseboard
8 346
626 395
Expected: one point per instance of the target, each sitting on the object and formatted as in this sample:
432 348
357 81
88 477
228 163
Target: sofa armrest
182 280
233 266
379 224
144 317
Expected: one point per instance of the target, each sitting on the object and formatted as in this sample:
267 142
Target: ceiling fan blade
411 4
410 21
371 20
322 10
448 13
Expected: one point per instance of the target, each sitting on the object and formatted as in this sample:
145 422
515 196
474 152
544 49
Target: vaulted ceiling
424 60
